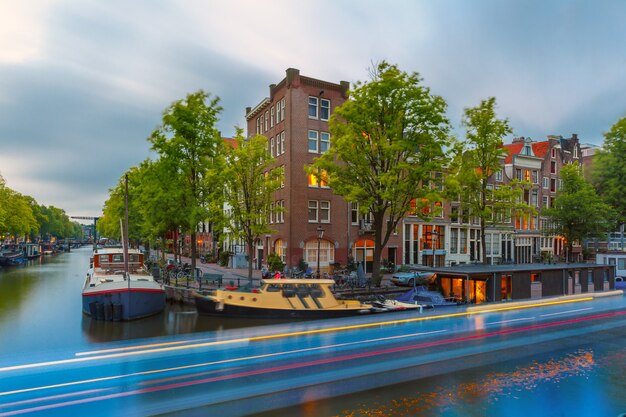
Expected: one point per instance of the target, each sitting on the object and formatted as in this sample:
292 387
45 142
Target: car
409 279
620 283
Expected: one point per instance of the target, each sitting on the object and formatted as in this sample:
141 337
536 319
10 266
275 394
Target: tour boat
114 292
281 298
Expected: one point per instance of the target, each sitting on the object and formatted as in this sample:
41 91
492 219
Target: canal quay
555 360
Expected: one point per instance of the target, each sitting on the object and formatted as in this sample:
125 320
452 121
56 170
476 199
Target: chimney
293 77
345 86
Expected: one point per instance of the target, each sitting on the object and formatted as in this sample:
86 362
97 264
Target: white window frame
324 207
310 140
324 105
282 142
313 205
282 109
267 119
272 116
324 140
313 105
272 146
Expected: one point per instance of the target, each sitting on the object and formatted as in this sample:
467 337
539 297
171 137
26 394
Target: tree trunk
378 250
250 259
193 253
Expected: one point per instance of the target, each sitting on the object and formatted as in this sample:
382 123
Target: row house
295 118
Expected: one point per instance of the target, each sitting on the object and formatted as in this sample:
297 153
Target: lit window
324 109
312 107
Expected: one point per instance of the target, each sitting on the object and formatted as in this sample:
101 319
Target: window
621 263
553 153
499 175
272 146
454 214
312 107
527 150
282 142
463 235
324 109
272 117
590 277
282 109
277 112
271 213
545 201
278 144
324 211
267 121
546 182
535 278
454 240
313 216
535 177
354 213
576 152
258 125
324 141
526 175
318 142
319 180
518 174
313 141
553 185
534 199
552 167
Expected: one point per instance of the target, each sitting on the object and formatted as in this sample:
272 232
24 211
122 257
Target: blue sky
84 82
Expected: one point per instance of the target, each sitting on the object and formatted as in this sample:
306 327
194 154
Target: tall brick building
295 119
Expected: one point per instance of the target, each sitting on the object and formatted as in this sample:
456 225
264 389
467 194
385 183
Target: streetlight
320 235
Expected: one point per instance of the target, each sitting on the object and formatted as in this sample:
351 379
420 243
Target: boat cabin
112 260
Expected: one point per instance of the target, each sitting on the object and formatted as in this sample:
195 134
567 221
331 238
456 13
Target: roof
231 142
541 148
481 269
513 149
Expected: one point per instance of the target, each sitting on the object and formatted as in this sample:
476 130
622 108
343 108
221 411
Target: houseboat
281 298
114 291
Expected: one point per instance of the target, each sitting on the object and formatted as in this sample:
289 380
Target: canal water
40 312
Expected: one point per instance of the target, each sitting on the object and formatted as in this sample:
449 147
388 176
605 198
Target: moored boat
281 298
112 292
420 295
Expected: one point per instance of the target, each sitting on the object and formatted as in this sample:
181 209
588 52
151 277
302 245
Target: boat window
272 288
118 258
316 291
104 258
302 290
289 291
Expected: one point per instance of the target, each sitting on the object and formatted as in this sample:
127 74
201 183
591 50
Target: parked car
409 279
620 283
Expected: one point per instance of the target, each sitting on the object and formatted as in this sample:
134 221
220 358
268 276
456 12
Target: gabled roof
513 149
541 148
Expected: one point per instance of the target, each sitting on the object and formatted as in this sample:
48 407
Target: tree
190 144
248 186
387 139
578 212
609 169
475 161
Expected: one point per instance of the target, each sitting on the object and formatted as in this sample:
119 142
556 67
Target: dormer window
527 150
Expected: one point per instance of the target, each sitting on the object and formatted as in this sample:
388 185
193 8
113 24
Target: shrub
274 263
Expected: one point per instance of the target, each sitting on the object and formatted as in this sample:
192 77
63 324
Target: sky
83 83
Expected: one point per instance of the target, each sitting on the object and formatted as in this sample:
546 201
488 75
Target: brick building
295 119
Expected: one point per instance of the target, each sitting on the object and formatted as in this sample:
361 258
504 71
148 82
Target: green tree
248 187
191 145
387 139
578 212
609 169
474 164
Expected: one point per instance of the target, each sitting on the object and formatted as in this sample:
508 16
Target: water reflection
479 394
176 319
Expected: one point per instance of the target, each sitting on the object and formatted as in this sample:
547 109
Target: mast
125 232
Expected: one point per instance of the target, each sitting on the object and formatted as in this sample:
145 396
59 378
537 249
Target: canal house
477 283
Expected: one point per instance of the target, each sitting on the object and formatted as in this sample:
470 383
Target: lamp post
320 235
